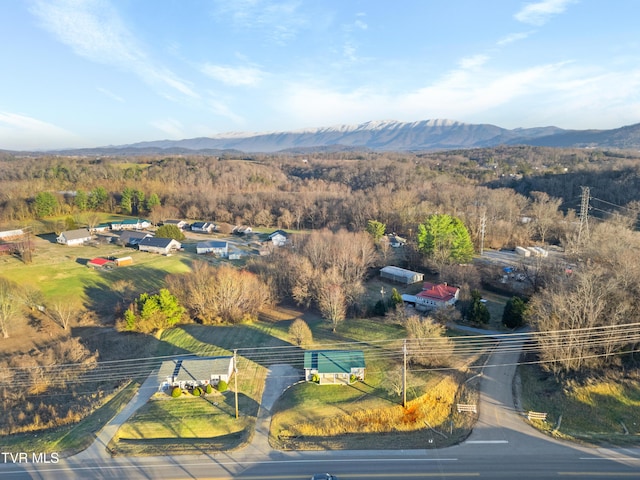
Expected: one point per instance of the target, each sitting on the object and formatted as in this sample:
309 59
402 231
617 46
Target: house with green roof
334 366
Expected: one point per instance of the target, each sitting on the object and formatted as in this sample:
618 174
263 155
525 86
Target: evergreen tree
478 311
152 201
45 204
170 231
81 200
376 229
514 312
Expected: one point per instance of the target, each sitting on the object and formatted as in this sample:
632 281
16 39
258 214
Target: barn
401 275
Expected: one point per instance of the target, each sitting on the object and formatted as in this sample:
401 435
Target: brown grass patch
429 410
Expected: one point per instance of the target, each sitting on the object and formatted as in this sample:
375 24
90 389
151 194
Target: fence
467 408
536 416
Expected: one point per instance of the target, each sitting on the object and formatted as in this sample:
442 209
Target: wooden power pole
404 373
235 379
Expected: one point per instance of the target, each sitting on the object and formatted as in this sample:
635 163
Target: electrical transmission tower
583 232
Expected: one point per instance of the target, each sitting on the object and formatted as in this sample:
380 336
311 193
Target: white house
215 247
130 224
181 224
436 296
195 371
74 237
278 238
203 227
159 245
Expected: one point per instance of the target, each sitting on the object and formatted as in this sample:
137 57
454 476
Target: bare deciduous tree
332 303
300 333
9 305
63 312
427 343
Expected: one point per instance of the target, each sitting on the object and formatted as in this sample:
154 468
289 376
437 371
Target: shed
123 261
196 371
401 275
100 263
159 245
334 366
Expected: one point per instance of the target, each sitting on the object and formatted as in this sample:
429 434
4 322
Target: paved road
501 447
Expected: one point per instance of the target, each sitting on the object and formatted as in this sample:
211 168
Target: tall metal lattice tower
583 232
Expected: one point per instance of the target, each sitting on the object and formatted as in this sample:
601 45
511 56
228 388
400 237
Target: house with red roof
437 295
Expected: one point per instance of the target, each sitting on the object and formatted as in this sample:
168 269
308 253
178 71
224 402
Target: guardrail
467 408
536 416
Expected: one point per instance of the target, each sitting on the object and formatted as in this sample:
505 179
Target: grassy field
362 416
60 272
599 411
73 439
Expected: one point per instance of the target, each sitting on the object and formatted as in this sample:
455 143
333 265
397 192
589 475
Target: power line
465 347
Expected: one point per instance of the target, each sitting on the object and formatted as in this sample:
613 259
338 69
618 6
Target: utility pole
483 226
404 373
235 378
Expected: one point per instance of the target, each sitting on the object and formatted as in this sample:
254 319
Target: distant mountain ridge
387 135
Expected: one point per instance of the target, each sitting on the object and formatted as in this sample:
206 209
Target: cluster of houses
133 233
327 367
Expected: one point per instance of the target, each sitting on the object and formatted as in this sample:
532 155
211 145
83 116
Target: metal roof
333 361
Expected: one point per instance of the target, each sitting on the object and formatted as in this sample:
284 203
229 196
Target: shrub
315 378
197 391
353 378
208 388
176 392
222 386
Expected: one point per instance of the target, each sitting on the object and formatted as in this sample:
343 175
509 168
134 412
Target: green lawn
60 272
195 422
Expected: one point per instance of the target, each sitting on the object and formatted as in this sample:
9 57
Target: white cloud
279 20
94 30
475 61
170 127
538 95
514 37
538 13
20 132
234 76
111 95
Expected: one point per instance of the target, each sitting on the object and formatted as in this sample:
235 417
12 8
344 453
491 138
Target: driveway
279 378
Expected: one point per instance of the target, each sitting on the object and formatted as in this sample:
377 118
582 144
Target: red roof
441 292
99 261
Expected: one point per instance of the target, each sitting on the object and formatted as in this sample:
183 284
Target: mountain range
426 135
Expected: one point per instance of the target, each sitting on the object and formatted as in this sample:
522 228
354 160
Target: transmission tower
583 232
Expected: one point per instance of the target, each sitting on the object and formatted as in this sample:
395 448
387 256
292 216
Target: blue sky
83 73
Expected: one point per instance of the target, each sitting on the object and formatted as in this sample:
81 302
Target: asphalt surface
501 446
